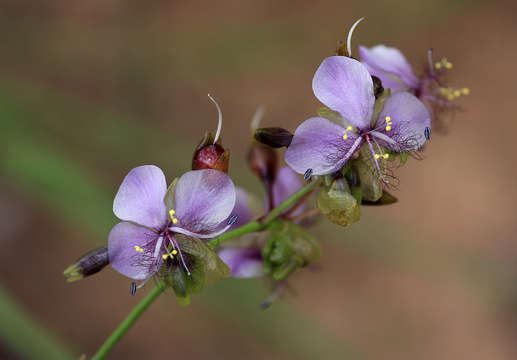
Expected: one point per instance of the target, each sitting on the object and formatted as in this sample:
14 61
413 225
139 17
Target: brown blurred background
91 89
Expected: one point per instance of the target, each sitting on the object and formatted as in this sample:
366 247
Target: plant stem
259 225
124 326
250 227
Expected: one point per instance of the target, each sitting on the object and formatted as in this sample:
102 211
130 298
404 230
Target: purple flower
246 261
395 72
140 244
345 85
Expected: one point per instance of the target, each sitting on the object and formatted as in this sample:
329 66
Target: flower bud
89 264
275 137
210 155
378 89
263 162
288 247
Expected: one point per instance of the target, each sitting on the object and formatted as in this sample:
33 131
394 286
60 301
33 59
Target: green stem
124 326
253 226
259 225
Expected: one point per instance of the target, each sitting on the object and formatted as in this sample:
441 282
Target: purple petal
203 200
243 262
345 85
286 184
123 255
388 64
242 208
409 118
140 197
318 144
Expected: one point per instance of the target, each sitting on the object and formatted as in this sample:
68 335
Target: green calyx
288 247
203 264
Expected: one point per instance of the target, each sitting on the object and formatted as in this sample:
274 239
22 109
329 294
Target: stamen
349 38
388 123
427 133
171 214
172 239
232 219
308 174
138 249
220 121
376 157
345 132
158 246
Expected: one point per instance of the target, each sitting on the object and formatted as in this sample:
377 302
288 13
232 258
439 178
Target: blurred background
92 89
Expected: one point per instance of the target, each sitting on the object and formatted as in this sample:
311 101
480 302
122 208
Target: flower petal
409 118
140 197
131 249
242 208
318 144
243 262
286 184
388 64
345 85
204 198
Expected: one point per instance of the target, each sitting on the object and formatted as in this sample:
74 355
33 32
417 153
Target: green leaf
338 204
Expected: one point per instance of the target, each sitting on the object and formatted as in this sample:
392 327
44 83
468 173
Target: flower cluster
199 229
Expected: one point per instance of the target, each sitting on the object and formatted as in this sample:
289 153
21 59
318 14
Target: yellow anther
448 65
377 156
438 65
165 256
138 248
172 212
388 119
174 252
174 221
350 128
450 96
457 93
388 128
386 156
465 91
345 136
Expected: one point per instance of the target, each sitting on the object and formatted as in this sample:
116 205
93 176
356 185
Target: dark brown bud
210 156
377 86
90 263
275 137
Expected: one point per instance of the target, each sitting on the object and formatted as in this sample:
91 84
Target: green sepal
213 267
169 195
288 247
379 104
385 199
371 186
331 115
204 265
338 204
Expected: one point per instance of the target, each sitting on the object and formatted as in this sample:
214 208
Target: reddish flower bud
210 156
263 162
